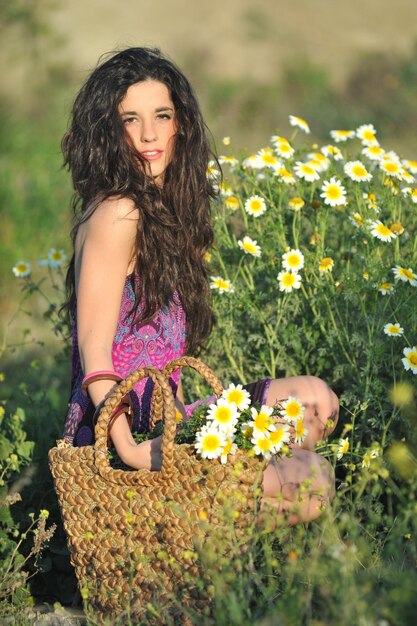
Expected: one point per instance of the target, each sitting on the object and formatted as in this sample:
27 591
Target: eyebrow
158 110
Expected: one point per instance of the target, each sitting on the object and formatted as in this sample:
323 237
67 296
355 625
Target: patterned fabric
135 345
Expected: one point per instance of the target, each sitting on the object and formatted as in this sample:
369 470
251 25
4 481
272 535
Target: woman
137 149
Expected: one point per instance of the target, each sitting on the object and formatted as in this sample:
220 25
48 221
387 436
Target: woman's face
148 115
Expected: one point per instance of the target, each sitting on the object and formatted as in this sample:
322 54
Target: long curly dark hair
174 229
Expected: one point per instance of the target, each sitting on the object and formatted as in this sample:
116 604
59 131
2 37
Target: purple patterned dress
135 345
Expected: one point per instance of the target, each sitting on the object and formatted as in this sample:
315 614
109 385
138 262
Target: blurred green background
337 64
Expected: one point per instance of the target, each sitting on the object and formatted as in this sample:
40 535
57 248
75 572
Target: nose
148 133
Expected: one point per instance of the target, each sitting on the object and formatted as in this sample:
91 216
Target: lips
152 155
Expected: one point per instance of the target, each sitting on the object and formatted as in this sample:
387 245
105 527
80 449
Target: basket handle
200 367
163 406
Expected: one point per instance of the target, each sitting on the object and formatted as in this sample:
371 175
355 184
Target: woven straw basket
134 534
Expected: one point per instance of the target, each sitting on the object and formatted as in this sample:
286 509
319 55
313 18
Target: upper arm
103 252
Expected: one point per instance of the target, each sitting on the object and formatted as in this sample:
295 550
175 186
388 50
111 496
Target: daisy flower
374 153
326 265
357 219
285 176
212 172
262 422
391 167
405 275
289 281
222 284
357 171
410 359
284 149
342 135
238 395
262 445
300 431
367 458
228 160
299 123
293 260
22 269
292 409
343 448
223 415
332 151
267 158
414 195
367 134
385 288
229 448
393 330
253 161
249 246
56 258
296 203
232 203
410 165
226 141
210 442
380 231
320 162
306 172
279 437
225 189
255 205
334 193
207 256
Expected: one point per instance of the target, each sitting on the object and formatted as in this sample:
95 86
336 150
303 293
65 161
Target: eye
164 116
129 120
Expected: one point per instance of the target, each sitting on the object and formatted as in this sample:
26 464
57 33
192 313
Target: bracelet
123 407
99 375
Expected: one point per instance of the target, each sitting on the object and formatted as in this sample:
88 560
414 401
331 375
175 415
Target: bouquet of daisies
218 429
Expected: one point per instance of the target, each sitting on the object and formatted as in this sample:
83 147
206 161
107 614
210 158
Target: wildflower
357 171
411 165
207 256
229 448
222 284
367 134
414 195
320 162
393 330
300 431
357 219
255 205
332 151
405 275
223 414
262 422
299 122
284 149
397 228
268 159
293 260
253 161
226 141
56 258
374 153
315 238
380 231
343 448
285 176
306 172
392 168
210 442
368 456
289 281
365 275
292 409
225 189
22 269
238 395
385 288
279 437
342 135
228 160
232 203
410 359
296 203
262 445
326 265
334 193
212 172
249 246
44 513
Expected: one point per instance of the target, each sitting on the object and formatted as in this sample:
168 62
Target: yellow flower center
385 286
255 205
249 247
391 167
296 203
358 219
293 260
359 170
264 444
276 436
383 230
261 422
368 135
288 279
223 414
307 169
211 443
232 202
412 358
227 447
393 330
269 159
407 273
333 192
299 428
326 263
284 146
293 409
235 396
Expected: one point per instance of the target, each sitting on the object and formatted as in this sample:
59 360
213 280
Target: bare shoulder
116 210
